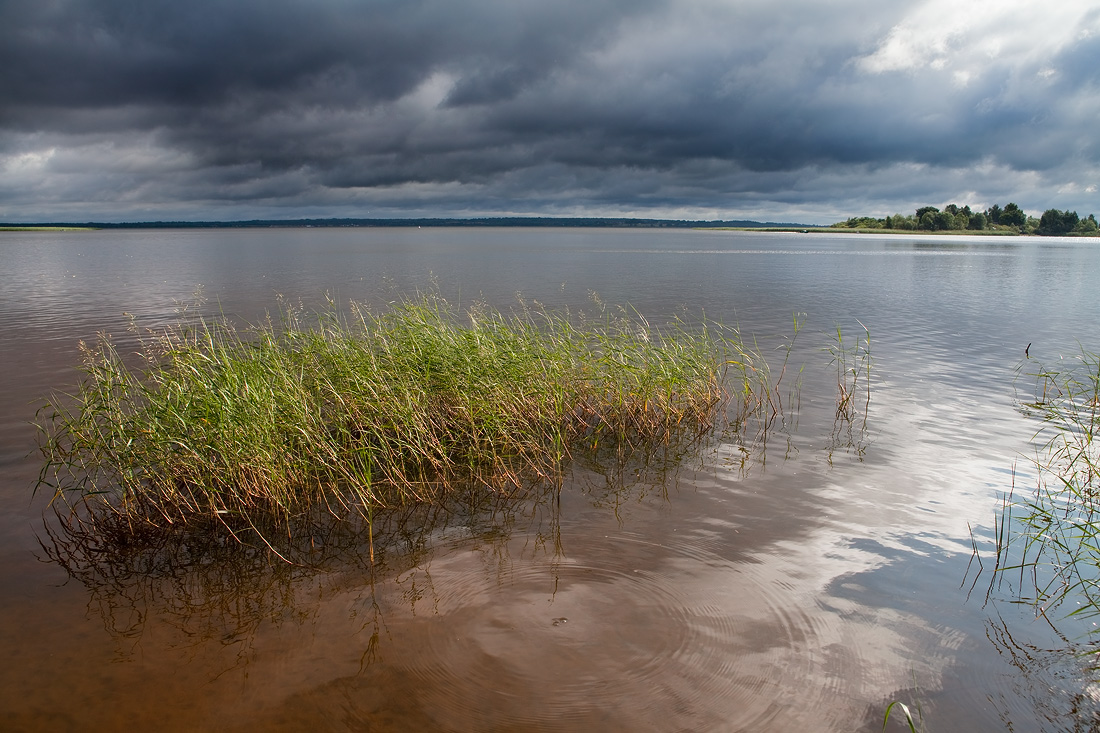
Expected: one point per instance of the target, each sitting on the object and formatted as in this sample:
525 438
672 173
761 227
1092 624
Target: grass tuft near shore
354 413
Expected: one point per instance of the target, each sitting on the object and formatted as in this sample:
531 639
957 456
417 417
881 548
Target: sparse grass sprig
852 361
757 385
763 403
361 411
853 375
904 711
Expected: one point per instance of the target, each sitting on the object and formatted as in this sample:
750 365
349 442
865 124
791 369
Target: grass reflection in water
211 584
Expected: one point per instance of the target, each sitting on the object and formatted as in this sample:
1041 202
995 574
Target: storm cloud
786 109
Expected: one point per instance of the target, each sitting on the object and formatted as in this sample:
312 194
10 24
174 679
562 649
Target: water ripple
626 635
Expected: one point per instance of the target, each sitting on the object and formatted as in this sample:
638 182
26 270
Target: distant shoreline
34 228
866 230
510 221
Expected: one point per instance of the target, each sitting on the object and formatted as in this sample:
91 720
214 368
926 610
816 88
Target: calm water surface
801 585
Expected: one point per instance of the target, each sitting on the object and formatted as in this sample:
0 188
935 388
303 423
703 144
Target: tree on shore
1055 222
1013 216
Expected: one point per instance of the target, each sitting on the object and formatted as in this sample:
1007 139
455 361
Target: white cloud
28 163
940 34
432 92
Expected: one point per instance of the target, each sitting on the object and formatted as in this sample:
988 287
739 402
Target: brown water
801 586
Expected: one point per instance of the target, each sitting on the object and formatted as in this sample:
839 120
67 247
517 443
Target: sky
774 110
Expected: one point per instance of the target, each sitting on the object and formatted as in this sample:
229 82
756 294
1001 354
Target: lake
799 580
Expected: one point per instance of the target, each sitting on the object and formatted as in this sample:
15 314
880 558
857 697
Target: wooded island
1009 220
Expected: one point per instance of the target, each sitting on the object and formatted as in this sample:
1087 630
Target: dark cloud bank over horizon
786 110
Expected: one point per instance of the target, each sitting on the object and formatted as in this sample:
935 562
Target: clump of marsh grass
348 414
1059 524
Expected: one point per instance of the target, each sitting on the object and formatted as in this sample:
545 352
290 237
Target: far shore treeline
503 221
1009 220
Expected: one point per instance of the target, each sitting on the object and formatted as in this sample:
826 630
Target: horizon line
571 221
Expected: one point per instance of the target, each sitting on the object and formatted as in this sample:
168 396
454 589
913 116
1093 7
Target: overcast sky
789 110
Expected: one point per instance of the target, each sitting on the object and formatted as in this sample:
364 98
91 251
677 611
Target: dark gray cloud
121 109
